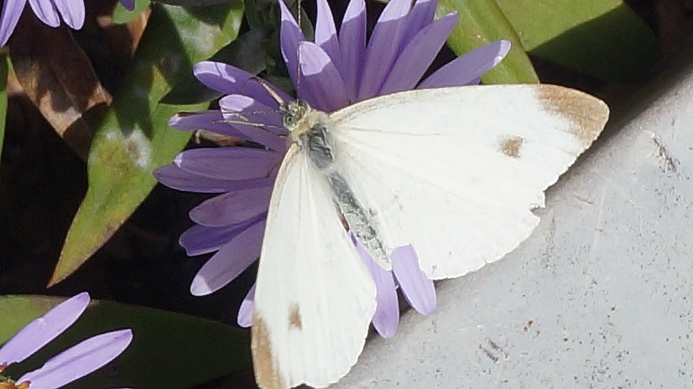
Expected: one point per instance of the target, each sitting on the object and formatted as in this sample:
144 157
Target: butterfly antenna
270 91
298 55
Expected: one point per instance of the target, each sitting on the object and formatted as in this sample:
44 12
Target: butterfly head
293 113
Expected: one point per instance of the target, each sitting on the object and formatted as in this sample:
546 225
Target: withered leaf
58 77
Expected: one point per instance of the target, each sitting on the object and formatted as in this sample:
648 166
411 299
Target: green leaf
601 38
3 96
482 22
246 52
168 351
192 3
134 138
121 15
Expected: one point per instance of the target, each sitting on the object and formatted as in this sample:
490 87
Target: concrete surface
598 297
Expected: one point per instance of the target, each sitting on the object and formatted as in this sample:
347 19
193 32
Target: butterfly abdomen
360 224
310 130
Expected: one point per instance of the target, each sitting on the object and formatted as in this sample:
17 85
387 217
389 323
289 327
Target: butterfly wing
457 171
314 297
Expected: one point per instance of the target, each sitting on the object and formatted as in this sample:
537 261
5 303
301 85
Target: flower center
7 383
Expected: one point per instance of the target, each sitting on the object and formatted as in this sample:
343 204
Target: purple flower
49 11
336 70
71 364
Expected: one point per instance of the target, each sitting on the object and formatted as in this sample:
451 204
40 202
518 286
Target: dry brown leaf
58 77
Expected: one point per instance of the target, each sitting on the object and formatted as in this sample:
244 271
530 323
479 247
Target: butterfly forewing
314 297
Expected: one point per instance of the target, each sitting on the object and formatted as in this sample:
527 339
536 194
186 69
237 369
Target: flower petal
45 10
245 312
421 15
177 178
228 79
386 317
418 55
212 120
236 107
322 86
352 41
11 11
128 4
79 360
326 34
263 123
416 287
230 261
198 239
230 163
39 332
383 48
232 207
72 12
290 36
467 69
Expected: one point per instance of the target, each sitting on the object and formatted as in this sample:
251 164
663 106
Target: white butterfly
455 172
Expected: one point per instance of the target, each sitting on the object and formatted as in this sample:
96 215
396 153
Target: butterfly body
310 132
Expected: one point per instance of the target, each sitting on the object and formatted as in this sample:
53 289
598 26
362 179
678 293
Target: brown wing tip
586 113
266 369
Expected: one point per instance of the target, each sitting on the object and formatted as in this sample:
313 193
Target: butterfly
455 172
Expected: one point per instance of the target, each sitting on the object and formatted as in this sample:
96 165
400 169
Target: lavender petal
386 317
177 178
383 48
230 163
79 360
11 11
46 12
128 4
418 55
232 207
467 69
41 331
326 34
245 312
254 121
290 35
352 41
228 79
72 12
321 86
198 239
240 107
229 262
421 15
212 120
416 287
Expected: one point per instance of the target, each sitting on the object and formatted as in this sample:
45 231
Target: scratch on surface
598 225
667 163
618 189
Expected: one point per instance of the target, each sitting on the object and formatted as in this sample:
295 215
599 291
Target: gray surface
598 297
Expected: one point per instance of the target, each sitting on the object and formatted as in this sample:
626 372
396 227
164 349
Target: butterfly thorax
310 130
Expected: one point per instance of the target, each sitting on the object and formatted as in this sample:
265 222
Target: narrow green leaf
122 15
246 52
601 38
482 22
134 138
168 351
